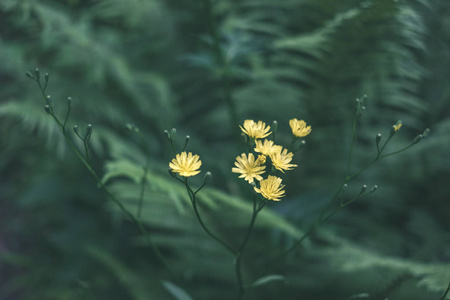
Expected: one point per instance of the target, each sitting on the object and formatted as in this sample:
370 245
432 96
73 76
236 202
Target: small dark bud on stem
37 73
48 109
75 129
28 73
167 134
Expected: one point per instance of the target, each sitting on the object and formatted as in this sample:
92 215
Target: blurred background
204 67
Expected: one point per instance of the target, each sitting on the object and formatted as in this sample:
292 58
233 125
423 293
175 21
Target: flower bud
173 133
208 177
417 139
274 126
426 132
48 109
87 136
69 102
46 77
28 73
186 141
378 138
37 73
167 134
344 187
374 188
48 100
75 129
363 189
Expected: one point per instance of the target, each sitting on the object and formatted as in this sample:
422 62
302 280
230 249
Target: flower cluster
273 156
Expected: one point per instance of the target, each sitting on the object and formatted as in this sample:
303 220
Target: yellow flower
186 164
271 188
397 127
266 148
281 159
248 167
255 130
299 128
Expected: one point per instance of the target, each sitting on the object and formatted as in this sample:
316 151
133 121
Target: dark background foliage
203 67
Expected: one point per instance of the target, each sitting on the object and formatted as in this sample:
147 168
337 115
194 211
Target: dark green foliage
164 64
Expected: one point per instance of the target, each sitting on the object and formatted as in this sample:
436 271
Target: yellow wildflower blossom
299 128
281 159
255 130
397 127
271 188
248 167
266 148
186 164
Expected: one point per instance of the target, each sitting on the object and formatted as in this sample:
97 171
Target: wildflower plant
262 168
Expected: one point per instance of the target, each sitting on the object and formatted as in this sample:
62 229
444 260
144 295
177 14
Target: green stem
446 292
239 254
108 193
192 196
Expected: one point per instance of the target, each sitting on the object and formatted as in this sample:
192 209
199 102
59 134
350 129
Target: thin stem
200 220
88 166
240 253
349 161
446 292
65 119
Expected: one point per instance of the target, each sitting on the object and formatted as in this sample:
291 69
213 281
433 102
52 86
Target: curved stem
200 220
94 174
256 210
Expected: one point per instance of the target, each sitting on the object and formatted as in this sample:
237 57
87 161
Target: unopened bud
167 134
87 136
186 140
374 188
173 133
48 109
37 73
28 73
274 126
69 102
75 129
48 100
244 138
208 177
46 77
417 139
378 138
426 132
363 189
344 187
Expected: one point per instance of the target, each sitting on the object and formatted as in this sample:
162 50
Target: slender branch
193 198
100 183
446 292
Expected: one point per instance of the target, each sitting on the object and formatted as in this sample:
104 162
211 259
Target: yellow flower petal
255 130
281 159
299 128
248 167
186 164
271 188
